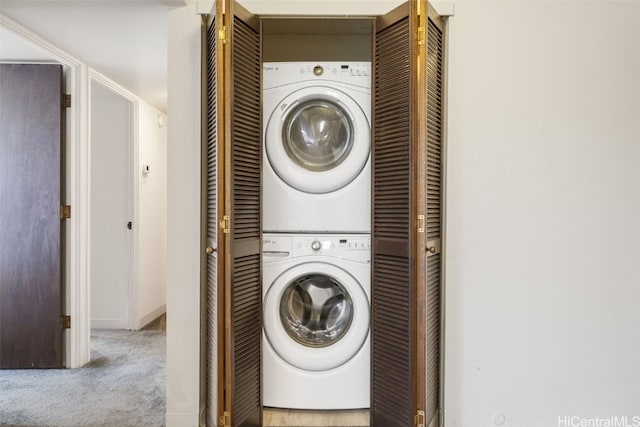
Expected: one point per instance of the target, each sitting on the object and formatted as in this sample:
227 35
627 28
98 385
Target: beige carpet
122 386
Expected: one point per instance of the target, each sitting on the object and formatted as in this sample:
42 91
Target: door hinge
65 212
225 419
66 101
420 223
421 35
66 321
419 418
222 34
225 224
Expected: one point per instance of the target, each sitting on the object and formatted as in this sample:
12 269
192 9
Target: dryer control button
316 245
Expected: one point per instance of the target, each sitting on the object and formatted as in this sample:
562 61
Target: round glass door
316 310
316 316
317 135
317 139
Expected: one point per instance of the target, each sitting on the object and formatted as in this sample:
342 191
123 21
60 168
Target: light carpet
123 385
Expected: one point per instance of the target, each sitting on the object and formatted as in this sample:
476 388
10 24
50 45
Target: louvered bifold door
242 218
434 28
397 191
213 129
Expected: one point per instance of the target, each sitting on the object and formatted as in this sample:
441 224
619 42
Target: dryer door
316 316
318 139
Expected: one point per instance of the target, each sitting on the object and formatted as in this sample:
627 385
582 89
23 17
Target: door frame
133 317
76 234
417 241
77 156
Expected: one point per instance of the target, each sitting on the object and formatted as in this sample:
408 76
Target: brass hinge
66 321
66 101
225 419
420 223
225 224
421 35
65 212
222 34
419 418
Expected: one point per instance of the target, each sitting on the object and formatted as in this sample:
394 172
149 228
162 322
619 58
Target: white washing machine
317 144
316 291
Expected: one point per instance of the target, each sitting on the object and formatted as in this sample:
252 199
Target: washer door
317 139
316 316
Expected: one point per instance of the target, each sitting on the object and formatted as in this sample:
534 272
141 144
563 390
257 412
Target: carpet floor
122 386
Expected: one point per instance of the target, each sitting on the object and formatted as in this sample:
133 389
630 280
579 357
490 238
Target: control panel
279 73
356 247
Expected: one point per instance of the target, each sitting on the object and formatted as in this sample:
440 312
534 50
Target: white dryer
317 144
316 305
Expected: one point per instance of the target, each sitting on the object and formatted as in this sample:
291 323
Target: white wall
543 211
183 217
152 213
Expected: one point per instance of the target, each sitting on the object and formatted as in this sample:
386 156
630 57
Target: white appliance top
284 73
352 247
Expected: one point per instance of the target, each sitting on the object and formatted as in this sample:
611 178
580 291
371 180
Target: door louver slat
246 291
434 216
212 219
246 132
393 360
392 291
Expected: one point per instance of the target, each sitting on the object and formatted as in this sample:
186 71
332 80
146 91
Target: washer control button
316 245
318 70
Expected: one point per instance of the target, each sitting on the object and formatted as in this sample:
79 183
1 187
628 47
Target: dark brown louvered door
213 129
243 295
398 210
434 104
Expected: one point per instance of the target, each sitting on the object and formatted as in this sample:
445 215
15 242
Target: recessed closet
406 48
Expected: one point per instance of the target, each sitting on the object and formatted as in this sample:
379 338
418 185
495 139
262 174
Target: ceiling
126 40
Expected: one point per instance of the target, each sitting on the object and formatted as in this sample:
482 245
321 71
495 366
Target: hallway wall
183 215
543 213
152 213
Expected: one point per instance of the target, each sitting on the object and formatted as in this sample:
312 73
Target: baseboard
109 324
145 320
182 420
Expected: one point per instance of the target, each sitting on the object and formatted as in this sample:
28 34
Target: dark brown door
212 155
431 314
30 228
240 233
405 284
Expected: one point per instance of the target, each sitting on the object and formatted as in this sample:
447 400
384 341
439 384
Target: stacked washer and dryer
316 234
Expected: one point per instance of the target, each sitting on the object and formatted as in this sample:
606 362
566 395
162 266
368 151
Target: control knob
316 245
